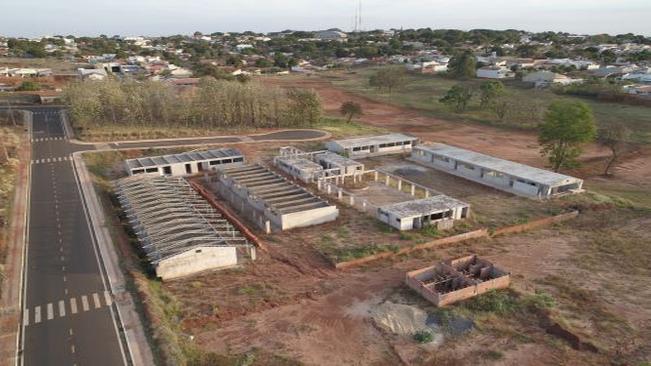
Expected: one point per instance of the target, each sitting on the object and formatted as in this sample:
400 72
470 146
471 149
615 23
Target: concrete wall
192 262
178 169
308 218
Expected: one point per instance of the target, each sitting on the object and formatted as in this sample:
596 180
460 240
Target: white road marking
84 302
26 317
96 300
72 348
50 311
37 315
107 298
73 305
70 331
62 308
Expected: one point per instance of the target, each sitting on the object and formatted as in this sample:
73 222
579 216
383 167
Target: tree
29 86
463 65
567 125
501 107
389 78
614 138
350 109
458 97
490 90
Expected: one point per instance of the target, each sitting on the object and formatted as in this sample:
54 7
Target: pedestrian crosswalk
51 160
66 307
43 139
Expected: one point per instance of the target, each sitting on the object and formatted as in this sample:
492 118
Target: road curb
136 343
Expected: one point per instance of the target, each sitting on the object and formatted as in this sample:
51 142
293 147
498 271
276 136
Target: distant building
638 90
394 143
92 74
546 78
185 163
494 72
331 35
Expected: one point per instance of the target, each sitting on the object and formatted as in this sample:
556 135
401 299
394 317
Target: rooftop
337 159
170 218
498 165
301 163
375 140
182 158
423 206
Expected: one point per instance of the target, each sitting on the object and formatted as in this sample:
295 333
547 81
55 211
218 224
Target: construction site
269 244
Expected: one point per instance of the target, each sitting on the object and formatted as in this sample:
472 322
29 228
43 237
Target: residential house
494 72
543 78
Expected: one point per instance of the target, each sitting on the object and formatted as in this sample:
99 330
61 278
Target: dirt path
515 145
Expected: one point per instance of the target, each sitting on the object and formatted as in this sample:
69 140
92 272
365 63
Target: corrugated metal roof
182 158
170 218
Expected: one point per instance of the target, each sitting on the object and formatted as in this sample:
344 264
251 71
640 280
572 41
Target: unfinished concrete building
304 169
339 165
505 175
439 210
394 143
458 279
179 233
271 201
185 163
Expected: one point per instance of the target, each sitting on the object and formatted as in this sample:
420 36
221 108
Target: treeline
213 104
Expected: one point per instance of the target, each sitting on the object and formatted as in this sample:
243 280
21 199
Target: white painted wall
191 262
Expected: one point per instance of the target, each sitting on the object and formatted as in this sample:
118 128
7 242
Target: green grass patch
526 105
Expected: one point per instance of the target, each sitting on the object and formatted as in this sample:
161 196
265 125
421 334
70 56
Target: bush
423 336
498 302
29 86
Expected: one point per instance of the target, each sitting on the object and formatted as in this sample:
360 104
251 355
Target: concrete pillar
386 179
339 194
329 188
267 227
375 176
364 204
318 184
399 184
413 189
426 193
352 200
253 253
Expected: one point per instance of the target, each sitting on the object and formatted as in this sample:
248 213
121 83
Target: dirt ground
292 303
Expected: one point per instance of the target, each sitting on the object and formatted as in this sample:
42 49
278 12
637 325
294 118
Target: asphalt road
67 309
67 318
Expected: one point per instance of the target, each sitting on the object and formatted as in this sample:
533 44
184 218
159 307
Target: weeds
423 336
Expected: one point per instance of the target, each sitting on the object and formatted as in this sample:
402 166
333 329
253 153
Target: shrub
423 336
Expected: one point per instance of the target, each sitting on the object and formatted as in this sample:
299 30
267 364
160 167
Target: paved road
67 318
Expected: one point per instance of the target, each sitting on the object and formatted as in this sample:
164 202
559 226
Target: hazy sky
165 17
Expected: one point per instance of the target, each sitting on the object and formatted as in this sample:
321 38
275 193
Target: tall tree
388 78
614 138
350 109
463 65
567 126
458 97
490 90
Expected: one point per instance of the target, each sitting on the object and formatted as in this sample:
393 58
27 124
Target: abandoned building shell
505 175
438 210
302 168
458 279
185 163
271 201
340 164
394 143
179 233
